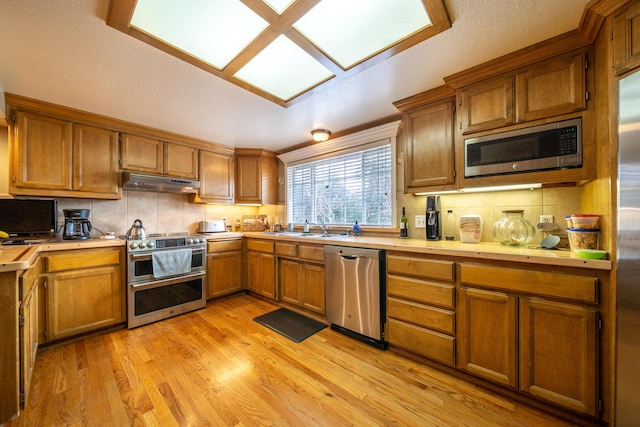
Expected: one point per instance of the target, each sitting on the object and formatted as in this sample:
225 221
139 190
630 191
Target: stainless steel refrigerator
628 255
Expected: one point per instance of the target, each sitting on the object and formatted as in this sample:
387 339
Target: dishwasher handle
349 257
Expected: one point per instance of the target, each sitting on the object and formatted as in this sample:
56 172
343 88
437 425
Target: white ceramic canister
470 228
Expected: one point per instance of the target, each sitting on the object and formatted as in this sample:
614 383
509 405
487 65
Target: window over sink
344 180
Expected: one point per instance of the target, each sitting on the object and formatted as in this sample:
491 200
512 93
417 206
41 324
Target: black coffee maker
76 224
434 225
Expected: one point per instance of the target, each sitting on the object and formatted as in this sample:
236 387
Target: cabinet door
313 288
487 330
486 105
253 271
224 273
558 354
290 282
180 161
551 88
267 276
83 300
261 269
140 154
216 177
626 38
95 160
42 153
249 179
429 147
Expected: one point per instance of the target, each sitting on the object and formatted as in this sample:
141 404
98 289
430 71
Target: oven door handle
135 257
168 281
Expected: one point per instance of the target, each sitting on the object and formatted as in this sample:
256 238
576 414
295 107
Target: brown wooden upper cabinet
148 155
429 143
256 177
545 89
626 38
216 177
52 157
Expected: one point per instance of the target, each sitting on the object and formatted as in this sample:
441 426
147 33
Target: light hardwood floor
217 367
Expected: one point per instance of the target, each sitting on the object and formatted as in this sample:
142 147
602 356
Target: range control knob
189 241
133 245
150 244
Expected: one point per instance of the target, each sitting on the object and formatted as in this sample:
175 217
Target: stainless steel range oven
166 277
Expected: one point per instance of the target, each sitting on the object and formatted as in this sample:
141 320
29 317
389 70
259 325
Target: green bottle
404 227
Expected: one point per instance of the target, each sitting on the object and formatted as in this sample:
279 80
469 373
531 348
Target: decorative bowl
590 253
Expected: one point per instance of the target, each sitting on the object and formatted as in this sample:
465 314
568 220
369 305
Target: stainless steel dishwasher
355 292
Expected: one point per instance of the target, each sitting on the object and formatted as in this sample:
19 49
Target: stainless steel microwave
550 146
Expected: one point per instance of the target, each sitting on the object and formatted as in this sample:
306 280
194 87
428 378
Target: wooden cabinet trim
287 249
421 267
422 315
311 252
260 245
224 246
430 344
82 259
426 292
559 285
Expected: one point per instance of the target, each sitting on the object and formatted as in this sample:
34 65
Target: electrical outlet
421 221
546 219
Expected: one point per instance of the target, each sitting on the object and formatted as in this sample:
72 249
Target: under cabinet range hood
159 184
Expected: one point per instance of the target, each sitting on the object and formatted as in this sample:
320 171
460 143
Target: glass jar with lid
512 229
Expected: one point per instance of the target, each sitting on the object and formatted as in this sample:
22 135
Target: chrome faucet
324 227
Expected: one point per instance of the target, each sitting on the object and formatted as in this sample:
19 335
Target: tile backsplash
159 212
167 212
558 202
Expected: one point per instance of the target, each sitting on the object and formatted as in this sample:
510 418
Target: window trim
358 141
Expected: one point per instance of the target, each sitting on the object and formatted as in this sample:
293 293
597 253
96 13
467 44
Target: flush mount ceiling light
320 135
280 49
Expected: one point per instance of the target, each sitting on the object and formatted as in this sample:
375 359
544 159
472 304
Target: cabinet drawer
287 249
423 342
224 246
569 286
260 245
311 252
81 259
419 290
422 315
420 267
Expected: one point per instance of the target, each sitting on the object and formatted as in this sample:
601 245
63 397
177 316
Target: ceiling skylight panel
351 31
214 31
283 69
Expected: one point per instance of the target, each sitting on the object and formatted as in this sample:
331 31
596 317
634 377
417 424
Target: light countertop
20 257
483 250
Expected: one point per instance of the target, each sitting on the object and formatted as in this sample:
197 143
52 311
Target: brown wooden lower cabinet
488 335
301 275
84 291
224 268
421 341
558 353
261 267
302 284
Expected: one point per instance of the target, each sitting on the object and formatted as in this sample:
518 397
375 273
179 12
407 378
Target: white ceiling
63 52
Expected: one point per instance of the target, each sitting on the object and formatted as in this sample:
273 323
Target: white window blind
343 189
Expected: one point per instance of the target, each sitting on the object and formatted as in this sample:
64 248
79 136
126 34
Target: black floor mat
292 325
